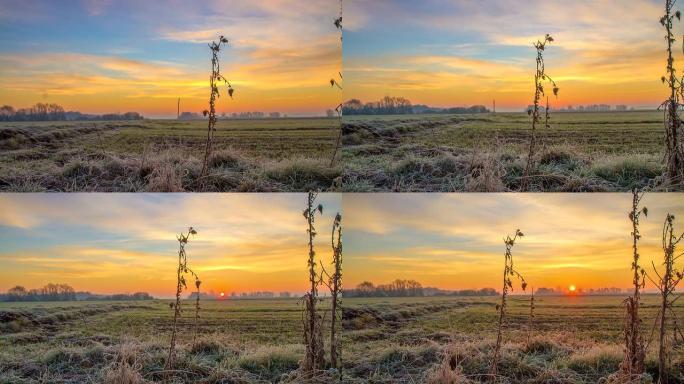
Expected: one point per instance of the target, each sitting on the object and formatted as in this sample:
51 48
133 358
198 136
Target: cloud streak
246 242
455 53
456 240
99 52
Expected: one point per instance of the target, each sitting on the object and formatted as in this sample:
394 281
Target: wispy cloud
456 241
470 52
280 57
128 242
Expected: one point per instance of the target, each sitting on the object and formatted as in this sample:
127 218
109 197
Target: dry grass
452 340
583 152
251 341
165 156
170 171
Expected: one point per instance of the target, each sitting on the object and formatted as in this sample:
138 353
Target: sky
455 241
100 56
124 243
454 53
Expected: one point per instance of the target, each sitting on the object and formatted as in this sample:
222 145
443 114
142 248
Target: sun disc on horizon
572 288
222 294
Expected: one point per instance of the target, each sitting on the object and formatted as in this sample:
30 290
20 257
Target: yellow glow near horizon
127 243
466 53
454 241
276 59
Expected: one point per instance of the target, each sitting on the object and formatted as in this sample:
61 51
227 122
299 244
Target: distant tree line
259 295
410 288
63 292
463 292
55 112
422 109
591 292
50 292
397 288
389 105
114 297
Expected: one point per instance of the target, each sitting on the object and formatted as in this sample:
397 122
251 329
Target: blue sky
104 56
455 241
127 242
452 53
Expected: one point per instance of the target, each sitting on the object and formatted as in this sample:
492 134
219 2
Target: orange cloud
456 241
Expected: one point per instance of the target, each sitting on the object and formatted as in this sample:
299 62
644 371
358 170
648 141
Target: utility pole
178 113
494 106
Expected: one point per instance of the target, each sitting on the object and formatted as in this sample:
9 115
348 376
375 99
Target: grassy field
487 152
290 154
450 340
239 341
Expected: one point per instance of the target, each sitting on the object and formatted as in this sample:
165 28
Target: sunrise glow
100 56
121 243
463 53
455 241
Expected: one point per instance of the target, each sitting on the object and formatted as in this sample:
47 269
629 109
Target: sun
572 289
222 294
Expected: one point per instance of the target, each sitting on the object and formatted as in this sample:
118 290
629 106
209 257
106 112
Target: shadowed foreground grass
250 155
241 341
575 340
487 153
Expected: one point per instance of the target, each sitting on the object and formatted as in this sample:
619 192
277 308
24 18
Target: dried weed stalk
635 351
334 284
540 77
667 283
530 320
509 273
181 271
674 137
335 83
215 78
197 309
314 358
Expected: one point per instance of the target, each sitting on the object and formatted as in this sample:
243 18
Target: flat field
287 154
239 341
487 152
451 339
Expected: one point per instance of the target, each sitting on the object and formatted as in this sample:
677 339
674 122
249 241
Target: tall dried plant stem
674 137
197 310
635 351
508 274
214 79
667 283
530 321
336 291
540 77
333 83
314 358
181 270
547 113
